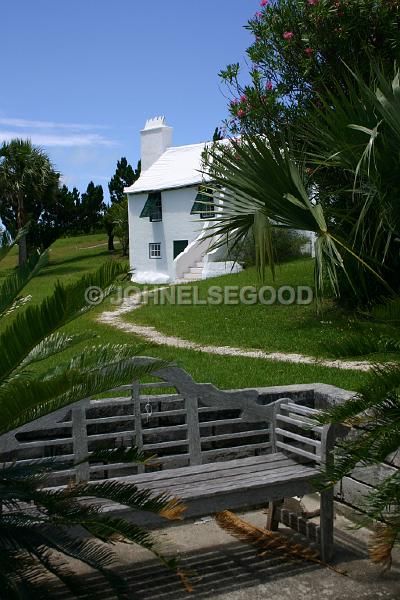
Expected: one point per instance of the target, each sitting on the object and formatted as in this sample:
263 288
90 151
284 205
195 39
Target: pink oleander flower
312 2
309 51
258 14
241 113
243 98
263 3
288 35
269 86
234 102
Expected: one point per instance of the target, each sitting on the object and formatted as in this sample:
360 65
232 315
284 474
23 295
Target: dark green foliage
287 73
28 187
288 245
92 208
356 220
124 176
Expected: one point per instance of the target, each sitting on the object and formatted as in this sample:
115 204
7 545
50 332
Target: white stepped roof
177 167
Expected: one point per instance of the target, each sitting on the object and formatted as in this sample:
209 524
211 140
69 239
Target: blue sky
80 77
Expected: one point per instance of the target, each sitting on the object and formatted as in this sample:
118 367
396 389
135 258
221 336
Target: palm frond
262 185
38 322
269 542
25 399
14 283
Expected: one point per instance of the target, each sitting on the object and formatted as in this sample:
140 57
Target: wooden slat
194 477
114 419
44 443
80 442
156 384
299 423
163 398
300 451
234 436
299 438
221 422
298 408
206 409
192 419
166 444
169 413
164 429
138 419
208 468
243 448
244 483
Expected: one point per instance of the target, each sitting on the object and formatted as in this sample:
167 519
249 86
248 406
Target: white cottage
167 214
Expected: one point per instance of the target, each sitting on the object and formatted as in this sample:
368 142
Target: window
204 204
153 207
156 210
155 250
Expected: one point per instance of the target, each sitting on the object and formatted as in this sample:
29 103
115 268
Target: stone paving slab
230 570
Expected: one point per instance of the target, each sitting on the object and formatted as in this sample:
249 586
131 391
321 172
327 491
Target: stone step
196 270
199 264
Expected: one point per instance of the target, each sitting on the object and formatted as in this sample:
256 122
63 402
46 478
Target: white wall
177 224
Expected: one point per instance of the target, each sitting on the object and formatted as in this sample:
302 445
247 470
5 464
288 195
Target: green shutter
203 203
150 204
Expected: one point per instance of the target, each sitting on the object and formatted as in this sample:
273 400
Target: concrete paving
230 570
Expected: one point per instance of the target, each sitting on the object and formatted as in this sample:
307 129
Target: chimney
155 138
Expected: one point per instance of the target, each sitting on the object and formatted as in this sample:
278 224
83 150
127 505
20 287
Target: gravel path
115 319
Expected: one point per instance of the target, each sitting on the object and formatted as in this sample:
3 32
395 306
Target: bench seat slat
188 487
208 469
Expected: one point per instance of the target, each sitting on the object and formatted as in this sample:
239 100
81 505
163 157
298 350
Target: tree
352 136
92 208
39 522
124 177
117 214
26 176
299 48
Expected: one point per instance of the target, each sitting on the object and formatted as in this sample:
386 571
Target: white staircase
195 272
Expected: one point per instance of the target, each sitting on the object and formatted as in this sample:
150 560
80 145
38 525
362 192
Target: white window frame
155 250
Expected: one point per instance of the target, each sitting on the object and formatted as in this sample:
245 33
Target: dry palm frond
173 510
269 542
381 545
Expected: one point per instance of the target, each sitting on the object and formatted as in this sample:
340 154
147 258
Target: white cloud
58 139
28 124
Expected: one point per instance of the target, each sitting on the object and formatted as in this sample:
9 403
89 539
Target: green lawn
295 329
272 328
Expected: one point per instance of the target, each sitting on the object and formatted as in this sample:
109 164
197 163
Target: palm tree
263 186
36 520
24 169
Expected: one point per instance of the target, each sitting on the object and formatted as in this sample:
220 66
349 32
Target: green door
179 246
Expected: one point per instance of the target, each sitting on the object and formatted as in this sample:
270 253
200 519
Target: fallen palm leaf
381 545
269 542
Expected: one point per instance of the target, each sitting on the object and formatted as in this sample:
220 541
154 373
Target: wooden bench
216 449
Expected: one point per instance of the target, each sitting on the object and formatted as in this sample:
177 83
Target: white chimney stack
155 138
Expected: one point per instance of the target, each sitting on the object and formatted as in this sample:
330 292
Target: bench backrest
184 423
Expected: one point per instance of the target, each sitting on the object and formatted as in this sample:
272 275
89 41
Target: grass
273 328
267 327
